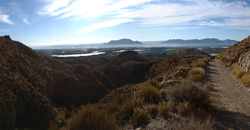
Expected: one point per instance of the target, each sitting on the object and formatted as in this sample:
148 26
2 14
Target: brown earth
230 96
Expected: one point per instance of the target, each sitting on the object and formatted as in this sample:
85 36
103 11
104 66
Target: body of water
79 55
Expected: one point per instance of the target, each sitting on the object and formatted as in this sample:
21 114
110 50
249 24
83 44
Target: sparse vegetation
151 108
91 117
128 107
200 64
140 116
165 108
149 93
246 79
194 123
241 75
197 74
192 93
184 108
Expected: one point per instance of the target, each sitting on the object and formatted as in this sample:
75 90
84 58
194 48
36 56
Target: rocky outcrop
238 53
244 62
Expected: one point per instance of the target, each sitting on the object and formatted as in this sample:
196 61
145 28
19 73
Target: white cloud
153 12
53 5
26 21
183 28
93 8
5 19
101 25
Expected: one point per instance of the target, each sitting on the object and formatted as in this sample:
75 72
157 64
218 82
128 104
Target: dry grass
91 117
128 107
246 79
54 125
151 108
197 70
184 108
242 76
199 64
193 93
165 108
236 71
141 116
197 74
149 93
194 123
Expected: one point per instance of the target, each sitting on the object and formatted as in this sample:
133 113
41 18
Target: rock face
239 52
30 83
244 61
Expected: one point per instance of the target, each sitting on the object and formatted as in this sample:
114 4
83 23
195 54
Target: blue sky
49 22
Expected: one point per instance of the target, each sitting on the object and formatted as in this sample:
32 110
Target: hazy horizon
57 22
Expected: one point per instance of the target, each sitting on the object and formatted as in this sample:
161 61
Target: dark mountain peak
124 41
201 41
6 36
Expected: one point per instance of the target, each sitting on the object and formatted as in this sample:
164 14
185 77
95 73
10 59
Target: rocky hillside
178 63
129 67
30 83
238 53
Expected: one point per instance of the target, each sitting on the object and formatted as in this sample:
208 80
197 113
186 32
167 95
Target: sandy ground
230 96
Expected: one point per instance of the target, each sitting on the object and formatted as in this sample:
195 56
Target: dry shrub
149 93
205 59
163 93
197 70
193 93
194 123
199 64
226 61
184 109
139 101
197 78
91 117
154 83
151 108
140 116
128 107
197 74
236 71
246 79
54 125
165 108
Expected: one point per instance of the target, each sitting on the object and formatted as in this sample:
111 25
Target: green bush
140 116
93 118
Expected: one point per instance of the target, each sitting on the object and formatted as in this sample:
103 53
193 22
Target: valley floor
230 96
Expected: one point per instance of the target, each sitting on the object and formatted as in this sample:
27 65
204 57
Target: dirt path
231 98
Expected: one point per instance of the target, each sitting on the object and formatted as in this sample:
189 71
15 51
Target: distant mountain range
197 41
123 42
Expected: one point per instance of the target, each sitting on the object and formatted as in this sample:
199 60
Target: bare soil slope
231 98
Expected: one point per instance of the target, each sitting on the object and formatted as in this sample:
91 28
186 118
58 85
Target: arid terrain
186 90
